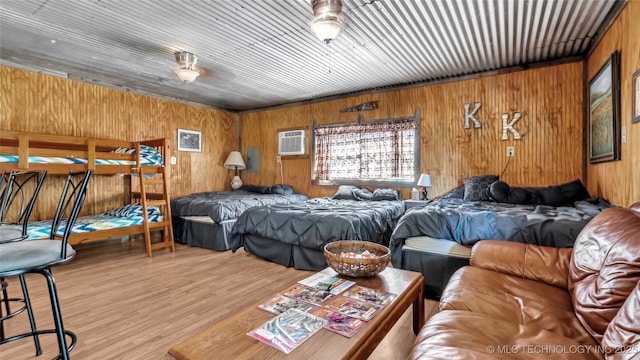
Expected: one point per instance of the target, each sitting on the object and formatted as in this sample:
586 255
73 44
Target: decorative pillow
362 194
256 189
134 210
563 194
282 189
476 188
501 192
385 194
345 192
150 156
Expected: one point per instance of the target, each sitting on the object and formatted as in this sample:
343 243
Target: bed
205 219
60 154
436 239
294 235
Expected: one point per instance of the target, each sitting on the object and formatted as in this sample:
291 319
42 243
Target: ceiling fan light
186 75
327 28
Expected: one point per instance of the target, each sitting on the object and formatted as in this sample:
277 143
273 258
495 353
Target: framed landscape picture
189 140
635 97
604 112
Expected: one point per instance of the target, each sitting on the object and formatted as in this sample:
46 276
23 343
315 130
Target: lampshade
327 22
327 28
235 161
186 75
424 180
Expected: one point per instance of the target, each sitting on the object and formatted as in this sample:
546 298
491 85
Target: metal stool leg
57 317
32 320
5 300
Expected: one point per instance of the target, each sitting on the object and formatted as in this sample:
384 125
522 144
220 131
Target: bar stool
38 256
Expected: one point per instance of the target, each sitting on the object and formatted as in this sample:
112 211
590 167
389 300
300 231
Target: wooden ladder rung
156 202
153 181
160 245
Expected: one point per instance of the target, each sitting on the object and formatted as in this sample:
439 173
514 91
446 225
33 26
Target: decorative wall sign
471 115
362 107
635 97
189 140
509 126
604 110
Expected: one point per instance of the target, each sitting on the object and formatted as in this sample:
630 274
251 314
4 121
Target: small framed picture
189 140
635 97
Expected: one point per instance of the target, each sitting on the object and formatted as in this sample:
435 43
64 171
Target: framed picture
604 112
189 140
635 97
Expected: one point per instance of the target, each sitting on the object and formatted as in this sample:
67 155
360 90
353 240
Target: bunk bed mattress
148 156
295 234
125 216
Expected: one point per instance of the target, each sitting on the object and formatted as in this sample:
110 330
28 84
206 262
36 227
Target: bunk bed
60 154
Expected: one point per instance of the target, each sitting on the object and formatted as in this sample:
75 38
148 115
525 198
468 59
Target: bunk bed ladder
159 199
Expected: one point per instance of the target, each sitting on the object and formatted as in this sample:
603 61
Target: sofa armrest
540 263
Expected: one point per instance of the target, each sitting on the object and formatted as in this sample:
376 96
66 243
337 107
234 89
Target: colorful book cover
280 303
373 296
308 294
353 307
333 284
339 323
288 330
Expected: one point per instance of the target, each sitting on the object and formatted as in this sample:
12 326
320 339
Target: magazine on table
353 307
333 284
308 294
339 323
373 296
280 303
288 330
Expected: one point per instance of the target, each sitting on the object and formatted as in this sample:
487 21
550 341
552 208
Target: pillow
476 188
501 192
362 194
345 192
563 194
134 210
256 189
385 194
282 189
456 193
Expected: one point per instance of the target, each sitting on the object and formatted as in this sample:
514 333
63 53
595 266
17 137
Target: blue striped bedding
128 215
148 155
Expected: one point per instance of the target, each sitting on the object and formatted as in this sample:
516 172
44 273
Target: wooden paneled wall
619 181
550 151
41 103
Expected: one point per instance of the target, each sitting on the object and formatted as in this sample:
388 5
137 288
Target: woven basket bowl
349 266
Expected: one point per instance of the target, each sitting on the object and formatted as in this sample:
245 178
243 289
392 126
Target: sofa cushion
513 299
604 267
465 335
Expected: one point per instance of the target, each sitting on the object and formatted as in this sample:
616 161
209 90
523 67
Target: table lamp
235 162
425 182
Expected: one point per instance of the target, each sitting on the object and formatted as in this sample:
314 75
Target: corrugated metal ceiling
260 53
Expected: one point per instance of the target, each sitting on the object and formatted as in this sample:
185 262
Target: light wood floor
123 305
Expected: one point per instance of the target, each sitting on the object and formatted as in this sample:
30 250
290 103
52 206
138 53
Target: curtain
365 151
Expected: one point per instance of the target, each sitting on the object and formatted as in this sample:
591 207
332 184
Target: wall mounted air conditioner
291 142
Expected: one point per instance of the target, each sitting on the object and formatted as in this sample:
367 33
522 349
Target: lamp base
424 193
236 182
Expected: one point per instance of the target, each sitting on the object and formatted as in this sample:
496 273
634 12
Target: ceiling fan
186 70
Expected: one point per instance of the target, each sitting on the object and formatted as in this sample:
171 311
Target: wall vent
291 142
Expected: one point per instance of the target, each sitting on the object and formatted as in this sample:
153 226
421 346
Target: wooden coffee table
228 340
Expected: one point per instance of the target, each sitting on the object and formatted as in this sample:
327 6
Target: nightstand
413 203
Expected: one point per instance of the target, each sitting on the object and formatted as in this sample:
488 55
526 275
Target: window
373 152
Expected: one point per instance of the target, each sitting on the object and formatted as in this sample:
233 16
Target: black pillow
256 189
563 194
385 194
362 194
455 193
501 192
476 188
345 192
282 189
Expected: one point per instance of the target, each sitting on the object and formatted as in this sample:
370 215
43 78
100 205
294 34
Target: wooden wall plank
618 181
550 151
42 103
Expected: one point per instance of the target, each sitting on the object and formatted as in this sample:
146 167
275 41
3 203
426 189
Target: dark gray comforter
316 222
468 222
226 205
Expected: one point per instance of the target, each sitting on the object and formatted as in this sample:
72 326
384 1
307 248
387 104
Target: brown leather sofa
530 302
